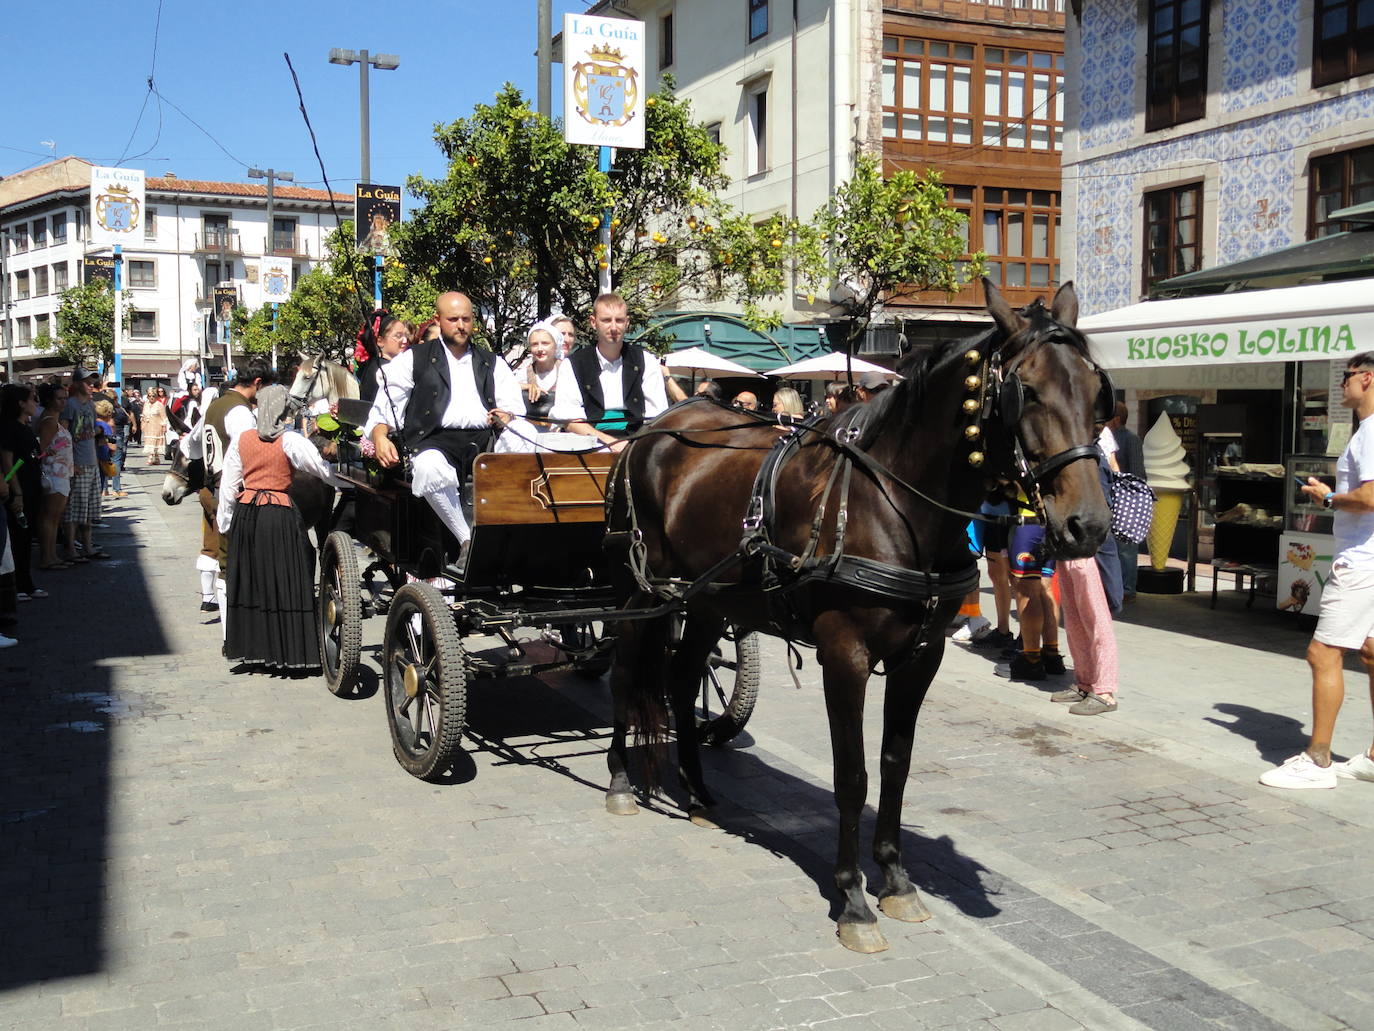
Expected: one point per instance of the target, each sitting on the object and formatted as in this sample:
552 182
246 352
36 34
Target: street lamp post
385 62
269 246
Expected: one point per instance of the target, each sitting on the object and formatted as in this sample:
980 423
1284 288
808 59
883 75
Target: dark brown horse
859 548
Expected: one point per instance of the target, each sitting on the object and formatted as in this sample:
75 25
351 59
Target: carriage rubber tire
748 672
437 624
338 551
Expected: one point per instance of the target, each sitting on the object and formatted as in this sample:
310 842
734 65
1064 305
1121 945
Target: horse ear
1065 306
1007 320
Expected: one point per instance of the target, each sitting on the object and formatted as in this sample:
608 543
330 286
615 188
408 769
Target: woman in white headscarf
189 373
541 371
270 597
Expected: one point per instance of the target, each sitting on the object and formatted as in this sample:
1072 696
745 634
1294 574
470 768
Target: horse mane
904 399
1040 326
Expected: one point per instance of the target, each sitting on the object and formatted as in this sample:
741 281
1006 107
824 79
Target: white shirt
465 410
1354 531
568 404
299 452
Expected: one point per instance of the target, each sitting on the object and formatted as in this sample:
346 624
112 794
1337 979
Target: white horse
321 379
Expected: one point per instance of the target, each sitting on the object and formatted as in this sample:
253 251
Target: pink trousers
1088 625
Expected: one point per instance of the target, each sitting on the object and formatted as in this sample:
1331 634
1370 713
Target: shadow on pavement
61 710
1276 737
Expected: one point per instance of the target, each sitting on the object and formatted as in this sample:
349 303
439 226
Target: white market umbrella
695 359
827 366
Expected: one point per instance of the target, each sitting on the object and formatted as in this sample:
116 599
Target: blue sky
76 74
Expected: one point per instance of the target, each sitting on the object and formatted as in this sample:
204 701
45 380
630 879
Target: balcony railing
218 241
1045 13
290 245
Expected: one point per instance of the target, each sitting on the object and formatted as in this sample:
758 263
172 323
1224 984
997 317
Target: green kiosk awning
728 336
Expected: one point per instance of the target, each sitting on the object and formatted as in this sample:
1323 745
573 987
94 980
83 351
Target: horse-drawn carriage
534 596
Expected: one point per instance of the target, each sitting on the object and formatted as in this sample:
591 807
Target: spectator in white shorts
1346 622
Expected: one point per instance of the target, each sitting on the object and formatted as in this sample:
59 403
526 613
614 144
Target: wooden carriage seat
538 519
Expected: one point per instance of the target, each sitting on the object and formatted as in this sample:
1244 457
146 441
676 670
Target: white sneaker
966 633
1359 768
1300 772
8 642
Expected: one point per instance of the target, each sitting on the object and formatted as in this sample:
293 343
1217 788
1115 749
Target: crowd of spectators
64 442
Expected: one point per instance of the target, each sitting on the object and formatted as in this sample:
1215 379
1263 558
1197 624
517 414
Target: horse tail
647 708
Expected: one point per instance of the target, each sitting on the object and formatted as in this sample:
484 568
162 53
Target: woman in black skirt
271 591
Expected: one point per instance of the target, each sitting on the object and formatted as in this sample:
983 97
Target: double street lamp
385 62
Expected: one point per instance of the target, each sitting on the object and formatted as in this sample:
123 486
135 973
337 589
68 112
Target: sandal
98 554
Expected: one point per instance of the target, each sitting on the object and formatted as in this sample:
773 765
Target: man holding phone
1346 622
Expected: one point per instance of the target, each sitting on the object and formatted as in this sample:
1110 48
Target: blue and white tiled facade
1254 167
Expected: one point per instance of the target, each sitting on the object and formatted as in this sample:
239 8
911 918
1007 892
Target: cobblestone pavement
184 847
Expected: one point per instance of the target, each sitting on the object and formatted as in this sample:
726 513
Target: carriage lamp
971 405
975 458
973 357
971 432
973 382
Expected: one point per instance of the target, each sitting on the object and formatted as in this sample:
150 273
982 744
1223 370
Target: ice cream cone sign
1166 471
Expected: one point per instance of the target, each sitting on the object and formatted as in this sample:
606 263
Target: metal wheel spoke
715 684
429 714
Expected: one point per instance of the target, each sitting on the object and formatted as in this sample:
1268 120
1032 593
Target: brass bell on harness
973 382
973 357
971 405
971 432
975 458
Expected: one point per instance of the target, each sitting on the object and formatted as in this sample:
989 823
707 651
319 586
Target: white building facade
197 236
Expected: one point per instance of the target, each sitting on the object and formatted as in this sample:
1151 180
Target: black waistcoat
587 367
430 396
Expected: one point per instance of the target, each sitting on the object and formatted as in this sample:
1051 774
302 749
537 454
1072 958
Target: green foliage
85 324
883 238
516 220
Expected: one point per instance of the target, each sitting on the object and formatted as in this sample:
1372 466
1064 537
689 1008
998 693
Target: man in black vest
445 399
610 390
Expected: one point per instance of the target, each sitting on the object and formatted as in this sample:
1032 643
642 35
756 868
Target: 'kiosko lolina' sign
1315 322
1248 343
603 81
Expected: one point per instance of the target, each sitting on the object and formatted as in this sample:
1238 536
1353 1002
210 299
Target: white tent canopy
695 359
827 366
1321 322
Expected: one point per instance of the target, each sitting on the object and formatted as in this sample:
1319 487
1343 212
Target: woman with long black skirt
271 591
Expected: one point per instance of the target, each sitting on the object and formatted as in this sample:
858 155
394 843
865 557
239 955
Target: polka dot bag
1133 507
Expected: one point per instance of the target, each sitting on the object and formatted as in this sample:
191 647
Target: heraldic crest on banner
116 210
276 283
607 89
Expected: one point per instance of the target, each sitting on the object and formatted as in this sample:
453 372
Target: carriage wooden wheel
340 613
729 685
425 680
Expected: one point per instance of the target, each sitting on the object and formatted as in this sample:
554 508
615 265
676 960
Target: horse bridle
1005 396
295 403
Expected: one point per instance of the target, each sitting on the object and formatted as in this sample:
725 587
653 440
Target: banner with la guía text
118 205
604 78
274 275
375 210
98 266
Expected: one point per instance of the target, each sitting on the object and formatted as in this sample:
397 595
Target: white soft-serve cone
1166 471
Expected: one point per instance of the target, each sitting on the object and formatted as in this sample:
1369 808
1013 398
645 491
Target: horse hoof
621 804
908 907
865 938
704 816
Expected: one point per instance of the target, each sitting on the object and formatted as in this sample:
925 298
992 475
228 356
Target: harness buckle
848 434
753 519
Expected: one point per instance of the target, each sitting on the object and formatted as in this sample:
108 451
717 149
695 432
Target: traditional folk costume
226 417
271 590
441 404
615 396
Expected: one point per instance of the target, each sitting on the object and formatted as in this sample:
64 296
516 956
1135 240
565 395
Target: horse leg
639 652
906 690
846 676
699 635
